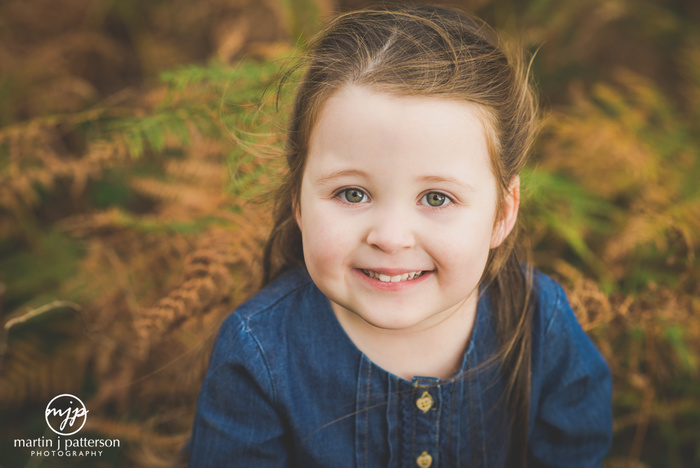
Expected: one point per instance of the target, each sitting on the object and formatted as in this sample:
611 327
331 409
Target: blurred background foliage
138 138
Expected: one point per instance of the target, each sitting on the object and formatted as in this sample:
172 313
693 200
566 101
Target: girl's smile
393 279
397 213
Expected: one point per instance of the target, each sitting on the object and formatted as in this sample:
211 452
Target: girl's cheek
325 240
455 248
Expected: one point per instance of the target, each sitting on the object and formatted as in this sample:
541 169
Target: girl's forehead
360 126
364 110
358 96
365 115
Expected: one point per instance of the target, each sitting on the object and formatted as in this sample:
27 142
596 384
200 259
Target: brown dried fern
32 373
207 280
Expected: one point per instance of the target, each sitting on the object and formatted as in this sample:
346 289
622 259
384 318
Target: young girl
397 327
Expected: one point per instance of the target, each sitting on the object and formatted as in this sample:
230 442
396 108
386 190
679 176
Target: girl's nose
391 231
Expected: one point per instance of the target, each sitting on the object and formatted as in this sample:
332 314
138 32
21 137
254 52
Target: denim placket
477 426
421 411
362 414
456 430
393 418
374 424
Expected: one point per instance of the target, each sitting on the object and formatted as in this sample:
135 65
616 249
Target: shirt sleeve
236 423
571 399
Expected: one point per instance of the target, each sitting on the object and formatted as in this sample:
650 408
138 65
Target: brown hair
428 51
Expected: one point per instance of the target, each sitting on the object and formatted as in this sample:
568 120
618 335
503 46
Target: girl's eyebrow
433 179
342 173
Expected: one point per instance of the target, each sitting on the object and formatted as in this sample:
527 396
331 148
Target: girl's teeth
393 279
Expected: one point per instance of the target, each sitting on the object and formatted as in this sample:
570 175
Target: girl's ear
509 214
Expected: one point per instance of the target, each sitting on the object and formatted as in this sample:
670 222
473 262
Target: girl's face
397 207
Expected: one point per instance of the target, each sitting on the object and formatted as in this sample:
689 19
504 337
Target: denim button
424 460
425 402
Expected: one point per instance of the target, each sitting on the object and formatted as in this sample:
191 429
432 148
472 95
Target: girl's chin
386 314
390 322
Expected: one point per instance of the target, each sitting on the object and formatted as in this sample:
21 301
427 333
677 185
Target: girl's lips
392 279
389 278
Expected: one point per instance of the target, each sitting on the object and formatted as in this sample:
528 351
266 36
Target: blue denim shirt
287 387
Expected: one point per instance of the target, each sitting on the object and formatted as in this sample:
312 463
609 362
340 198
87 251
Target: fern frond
31 372
206 282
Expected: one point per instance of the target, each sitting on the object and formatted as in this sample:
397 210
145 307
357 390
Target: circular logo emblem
66 414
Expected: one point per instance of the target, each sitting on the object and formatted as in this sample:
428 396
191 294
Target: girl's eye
353 195
435 199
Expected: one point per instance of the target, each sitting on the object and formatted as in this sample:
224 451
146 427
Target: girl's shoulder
552 322
279 317
269 338
561 347
570 386
282 293
286 300
551 303
562 351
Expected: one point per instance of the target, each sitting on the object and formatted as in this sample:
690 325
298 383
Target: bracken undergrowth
138 141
